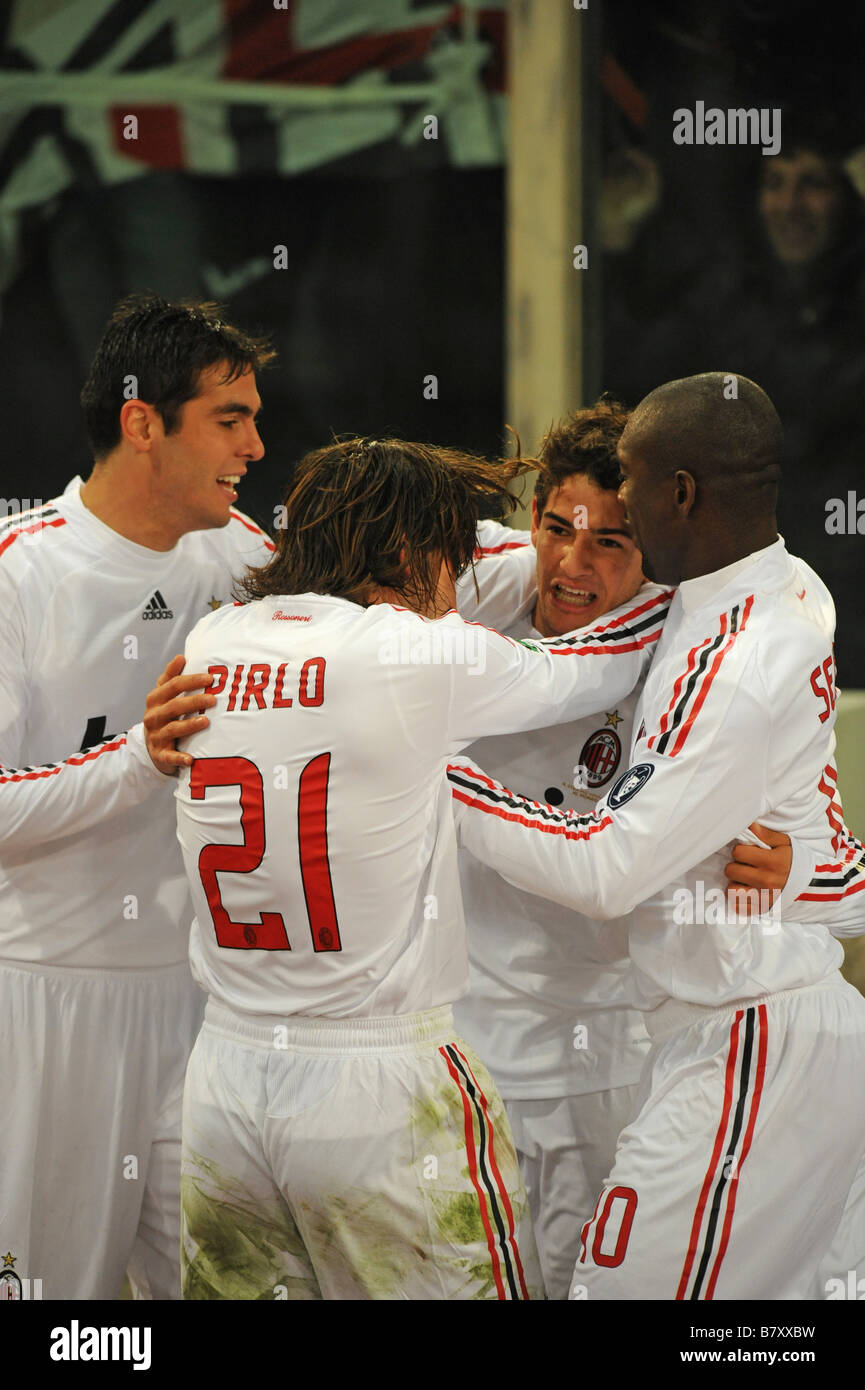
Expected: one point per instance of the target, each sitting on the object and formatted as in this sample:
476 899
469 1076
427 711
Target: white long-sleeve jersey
503 581
316 822
735 723
548 1007
89 875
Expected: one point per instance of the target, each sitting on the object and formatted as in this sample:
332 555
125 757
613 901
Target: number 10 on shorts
612 1221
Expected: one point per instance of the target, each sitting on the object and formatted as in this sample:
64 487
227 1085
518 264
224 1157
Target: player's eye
607 542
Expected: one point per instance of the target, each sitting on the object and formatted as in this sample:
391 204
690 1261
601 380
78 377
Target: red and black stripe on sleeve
28 524
473 788
692 686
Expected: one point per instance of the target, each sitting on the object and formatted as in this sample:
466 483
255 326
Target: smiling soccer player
100 587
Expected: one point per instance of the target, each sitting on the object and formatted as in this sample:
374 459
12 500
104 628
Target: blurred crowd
776 293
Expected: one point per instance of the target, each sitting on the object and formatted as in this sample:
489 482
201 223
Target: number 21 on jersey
269 933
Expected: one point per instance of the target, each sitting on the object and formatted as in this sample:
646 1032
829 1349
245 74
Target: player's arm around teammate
709 708
39 804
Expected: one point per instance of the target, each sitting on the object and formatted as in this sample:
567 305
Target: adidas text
157 608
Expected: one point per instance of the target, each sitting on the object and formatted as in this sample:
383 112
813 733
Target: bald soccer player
731 1178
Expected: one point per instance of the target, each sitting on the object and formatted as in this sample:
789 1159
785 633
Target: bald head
702 461
730 443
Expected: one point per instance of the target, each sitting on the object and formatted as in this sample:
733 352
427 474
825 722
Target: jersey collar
771 560
109 539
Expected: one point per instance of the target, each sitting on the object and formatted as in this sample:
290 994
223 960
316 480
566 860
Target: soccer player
719 1188
548 1008
98 588
330 1107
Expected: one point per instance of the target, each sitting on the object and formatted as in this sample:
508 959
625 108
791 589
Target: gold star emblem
8 1259
615 718
214 603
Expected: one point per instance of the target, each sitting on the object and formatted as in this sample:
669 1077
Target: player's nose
253 446
575 559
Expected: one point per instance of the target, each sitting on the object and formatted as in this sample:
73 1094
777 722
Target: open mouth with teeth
570 597
229 483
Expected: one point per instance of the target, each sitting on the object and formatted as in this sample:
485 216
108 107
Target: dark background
396 271
389 280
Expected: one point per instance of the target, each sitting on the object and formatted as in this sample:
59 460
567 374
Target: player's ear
685 491
136 424
536 520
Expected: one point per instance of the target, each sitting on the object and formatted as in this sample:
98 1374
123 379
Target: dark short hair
165 347
364 512
584 442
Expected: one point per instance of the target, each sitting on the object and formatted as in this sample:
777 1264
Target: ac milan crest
10 1284
600 757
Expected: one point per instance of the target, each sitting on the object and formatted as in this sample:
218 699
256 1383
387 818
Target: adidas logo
157 608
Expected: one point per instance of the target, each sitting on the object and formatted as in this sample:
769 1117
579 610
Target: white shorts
90 1098
565 1147
348 1159
842 1270
731 1180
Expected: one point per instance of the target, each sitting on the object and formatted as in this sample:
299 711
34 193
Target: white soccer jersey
734 724
547 1008
90 620
505 564
316 822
